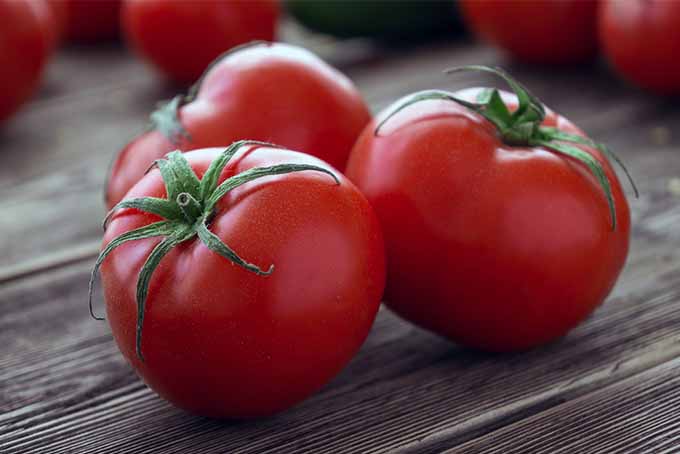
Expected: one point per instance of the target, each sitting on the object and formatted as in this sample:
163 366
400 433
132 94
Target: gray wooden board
637 415
65 388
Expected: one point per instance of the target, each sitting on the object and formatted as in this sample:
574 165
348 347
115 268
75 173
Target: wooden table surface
611 386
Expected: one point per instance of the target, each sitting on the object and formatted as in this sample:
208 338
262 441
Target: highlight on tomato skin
544 32
499 247
641 40
274 92
181 38
258 314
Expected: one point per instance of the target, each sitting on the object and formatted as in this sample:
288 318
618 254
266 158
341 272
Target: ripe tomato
27 37
642 41
181 38
88 20
497 246
274 92
223 339
537 31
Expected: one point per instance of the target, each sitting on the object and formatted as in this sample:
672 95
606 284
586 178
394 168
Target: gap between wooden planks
637 415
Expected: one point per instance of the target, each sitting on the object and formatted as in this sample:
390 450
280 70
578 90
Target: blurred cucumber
386 19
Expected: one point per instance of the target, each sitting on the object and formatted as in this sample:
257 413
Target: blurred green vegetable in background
377 18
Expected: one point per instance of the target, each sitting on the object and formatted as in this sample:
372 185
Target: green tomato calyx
186 212
523 127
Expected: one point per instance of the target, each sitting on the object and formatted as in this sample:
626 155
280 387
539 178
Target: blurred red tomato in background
27 37
641 38
58 8
536 31
87 20
181 38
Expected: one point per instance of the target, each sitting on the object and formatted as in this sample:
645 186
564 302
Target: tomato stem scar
190 207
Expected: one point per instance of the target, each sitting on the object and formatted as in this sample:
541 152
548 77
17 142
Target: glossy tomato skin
223 342
497 248
27 37
274 92
181 38
642 41
88 21
536 31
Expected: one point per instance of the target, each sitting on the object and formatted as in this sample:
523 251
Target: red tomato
273 92
642 41
497 247
27 37
536 31
88 20
222 341
58 10
181 38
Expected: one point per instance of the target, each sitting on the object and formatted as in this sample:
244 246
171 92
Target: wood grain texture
638 415
64 387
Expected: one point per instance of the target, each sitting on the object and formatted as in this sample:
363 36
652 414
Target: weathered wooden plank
64 386
372 410
638 415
